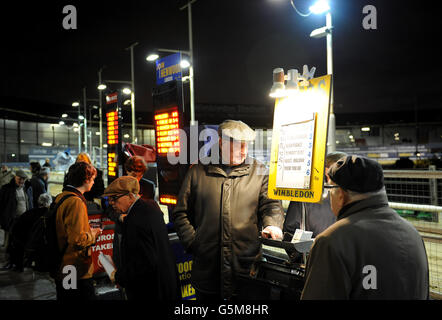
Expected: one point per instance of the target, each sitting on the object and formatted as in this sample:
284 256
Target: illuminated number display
111 164
165 199
112 127
167 131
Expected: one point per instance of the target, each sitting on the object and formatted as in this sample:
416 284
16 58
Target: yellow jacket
74 234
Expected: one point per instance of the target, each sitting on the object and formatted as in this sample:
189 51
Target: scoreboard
113 131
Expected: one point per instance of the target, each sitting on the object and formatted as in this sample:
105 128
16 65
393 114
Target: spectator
21 229
318 216
136 167
74 234
98 187
15 198
220 211
47 163
39 184
370 252
148 270
35 168
6 175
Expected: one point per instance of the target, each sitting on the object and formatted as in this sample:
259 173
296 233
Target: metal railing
417 197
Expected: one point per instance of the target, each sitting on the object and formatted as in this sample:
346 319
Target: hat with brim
20 173
237 130
122 185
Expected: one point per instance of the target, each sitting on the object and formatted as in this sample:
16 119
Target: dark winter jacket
8 202
148 270
370 252
318 217
218 218
38 187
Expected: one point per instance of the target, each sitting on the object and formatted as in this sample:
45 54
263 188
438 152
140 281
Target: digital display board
166 131
113 131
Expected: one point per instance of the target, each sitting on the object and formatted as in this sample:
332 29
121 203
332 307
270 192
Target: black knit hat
357 174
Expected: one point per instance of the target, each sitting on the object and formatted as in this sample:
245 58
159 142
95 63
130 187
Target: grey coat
218 218
368 233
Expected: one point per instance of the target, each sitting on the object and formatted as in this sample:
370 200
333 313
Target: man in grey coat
222 210
370 252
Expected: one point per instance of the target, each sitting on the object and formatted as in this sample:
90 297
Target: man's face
90 183
136 174
19 181
233 152
121 202
337 198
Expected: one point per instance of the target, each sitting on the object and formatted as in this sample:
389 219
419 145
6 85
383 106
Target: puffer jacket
218 218
74 234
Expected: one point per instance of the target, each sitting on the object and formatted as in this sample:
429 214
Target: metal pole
134 140
101 118
79 130
85 119
192 97
332 121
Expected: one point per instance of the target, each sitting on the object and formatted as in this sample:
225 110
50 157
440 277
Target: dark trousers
85 291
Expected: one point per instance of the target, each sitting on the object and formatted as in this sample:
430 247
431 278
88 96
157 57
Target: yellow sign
299 143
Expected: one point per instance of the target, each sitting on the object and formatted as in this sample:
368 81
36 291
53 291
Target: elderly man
370 252
220 211
148 269
318 216
15 198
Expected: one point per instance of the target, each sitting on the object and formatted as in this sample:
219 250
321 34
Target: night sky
237 44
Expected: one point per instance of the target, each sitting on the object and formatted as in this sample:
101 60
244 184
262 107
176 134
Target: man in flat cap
220 212
148 270
370 252
15 198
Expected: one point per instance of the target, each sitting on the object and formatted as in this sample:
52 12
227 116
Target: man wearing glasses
222 210
148 269
370 252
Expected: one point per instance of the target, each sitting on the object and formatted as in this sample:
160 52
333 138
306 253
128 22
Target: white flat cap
237 130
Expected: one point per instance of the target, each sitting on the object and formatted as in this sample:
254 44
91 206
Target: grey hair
44 200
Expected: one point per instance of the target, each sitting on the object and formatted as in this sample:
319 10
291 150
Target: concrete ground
30 285
26 285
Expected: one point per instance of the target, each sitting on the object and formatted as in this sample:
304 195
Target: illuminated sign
167 131
112 127
112 98
113 130
299 141
166 199
169 68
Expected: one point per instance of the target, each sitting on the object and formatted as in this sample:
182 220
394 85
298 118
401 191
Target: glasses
330 186
115 198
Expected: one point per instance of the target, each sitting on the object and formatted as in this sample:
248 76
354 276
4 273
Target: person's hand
96 232
112 276
272 232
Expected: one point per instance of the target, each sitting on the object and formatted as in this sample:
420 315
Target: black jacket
8 202
318 217
369 239
148 270
38 187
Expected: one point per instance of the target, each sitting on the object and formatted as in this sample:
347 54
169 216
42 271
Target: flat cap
122 185
357 174
21 174
237 130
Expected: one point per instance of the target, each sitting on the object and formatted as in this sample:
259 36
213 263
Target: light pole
320 7
192 97
131 48
100 105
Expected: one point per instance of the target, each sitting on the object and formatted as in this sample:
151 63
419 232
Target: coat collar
237 171
373 202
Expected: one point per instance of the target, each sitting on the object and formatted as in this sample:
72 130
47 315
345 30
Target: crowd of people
221 212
